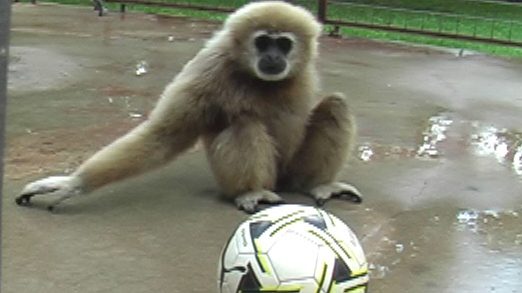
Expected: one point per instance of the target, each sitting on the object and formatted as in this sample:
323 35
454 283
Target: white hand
62 187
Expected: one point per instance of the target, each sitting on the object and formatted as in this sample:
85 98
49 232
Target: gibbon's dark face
272 53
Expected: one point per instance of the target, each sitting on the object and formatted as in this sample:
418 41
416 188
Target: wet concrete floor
439 160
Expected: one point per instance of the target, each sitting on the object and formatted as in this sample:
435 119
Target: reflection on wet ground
502 144
439 161
434 133
480 139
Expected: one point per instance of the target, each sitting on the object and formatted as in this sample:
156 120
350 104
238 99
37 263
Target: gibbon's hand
62 187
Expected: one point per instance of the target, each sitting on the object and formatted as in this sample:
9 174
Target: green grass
496 50
412 14
486 9
464 24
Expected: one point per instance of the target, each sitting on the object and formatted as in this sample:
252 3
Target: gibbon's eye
263 42
285 44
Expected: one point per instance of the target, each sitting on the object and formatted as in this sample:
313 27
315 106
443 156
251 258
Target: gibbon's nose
272 64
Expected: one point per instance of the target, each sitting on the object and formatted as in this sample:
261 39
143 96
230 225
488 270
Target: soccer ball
293 248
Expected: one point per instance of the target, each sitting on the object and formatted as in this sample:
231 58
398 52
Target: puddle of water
378 271
488 222
135 115
470 215
142 68
468 219
370 152
502 144
474 137
365 152
433 134
517 161
467 216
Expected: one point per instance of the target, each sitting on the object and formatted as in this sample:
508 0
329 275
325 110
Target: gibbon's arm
173 126
144 148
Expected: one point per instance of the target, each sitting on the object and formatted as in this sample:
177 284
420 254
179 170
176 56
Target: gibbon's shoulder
272 16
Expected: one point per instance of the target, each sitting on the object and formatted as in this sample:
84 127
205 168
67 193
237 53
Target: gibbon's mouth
271 67
272 71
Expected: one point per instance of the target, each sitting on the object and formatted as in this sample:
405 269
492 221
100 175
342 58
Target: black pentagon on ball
316 221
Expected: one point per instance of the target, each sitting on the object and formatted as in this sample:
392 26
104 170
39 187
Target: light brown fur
259 135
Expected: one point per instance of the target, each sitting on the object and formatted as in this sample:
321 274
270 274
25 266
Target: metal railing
437 24
352 13
171 4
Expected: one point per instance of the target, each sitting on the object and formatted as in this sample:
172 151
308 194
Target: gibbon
249 95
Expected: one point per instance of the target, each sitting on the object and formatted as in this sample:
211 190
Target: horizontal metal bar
421 32
175 5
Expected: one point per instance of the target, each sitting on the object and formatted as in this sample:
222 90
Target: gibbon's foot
249 201
324 192
62 187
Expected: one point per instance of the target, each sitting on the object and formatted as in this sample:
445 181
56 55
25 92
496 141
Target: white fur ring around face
62 187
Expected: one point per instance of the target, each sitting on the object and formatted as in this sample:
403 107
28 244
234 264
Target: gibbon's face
272 54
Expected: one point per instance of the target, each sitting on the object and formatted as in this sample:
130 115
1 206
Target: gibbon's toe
348 195
249 202
325 192
248 207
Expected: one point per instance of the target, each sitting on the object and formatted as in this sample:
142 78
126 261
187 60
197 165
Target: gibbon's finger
54 185
250 201
25 198
35 188
325 192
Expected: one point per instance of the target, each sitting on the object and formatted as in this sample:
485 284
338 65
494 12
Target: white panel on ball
293 256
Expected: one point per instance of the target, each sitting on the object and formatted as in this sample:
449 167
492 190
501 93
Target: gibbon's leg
243 159
329 138
140 150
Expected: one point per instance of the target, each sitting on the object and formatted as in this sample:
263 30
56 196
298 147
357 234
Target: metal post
510 30
98 6
390 19
5 21
321 10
